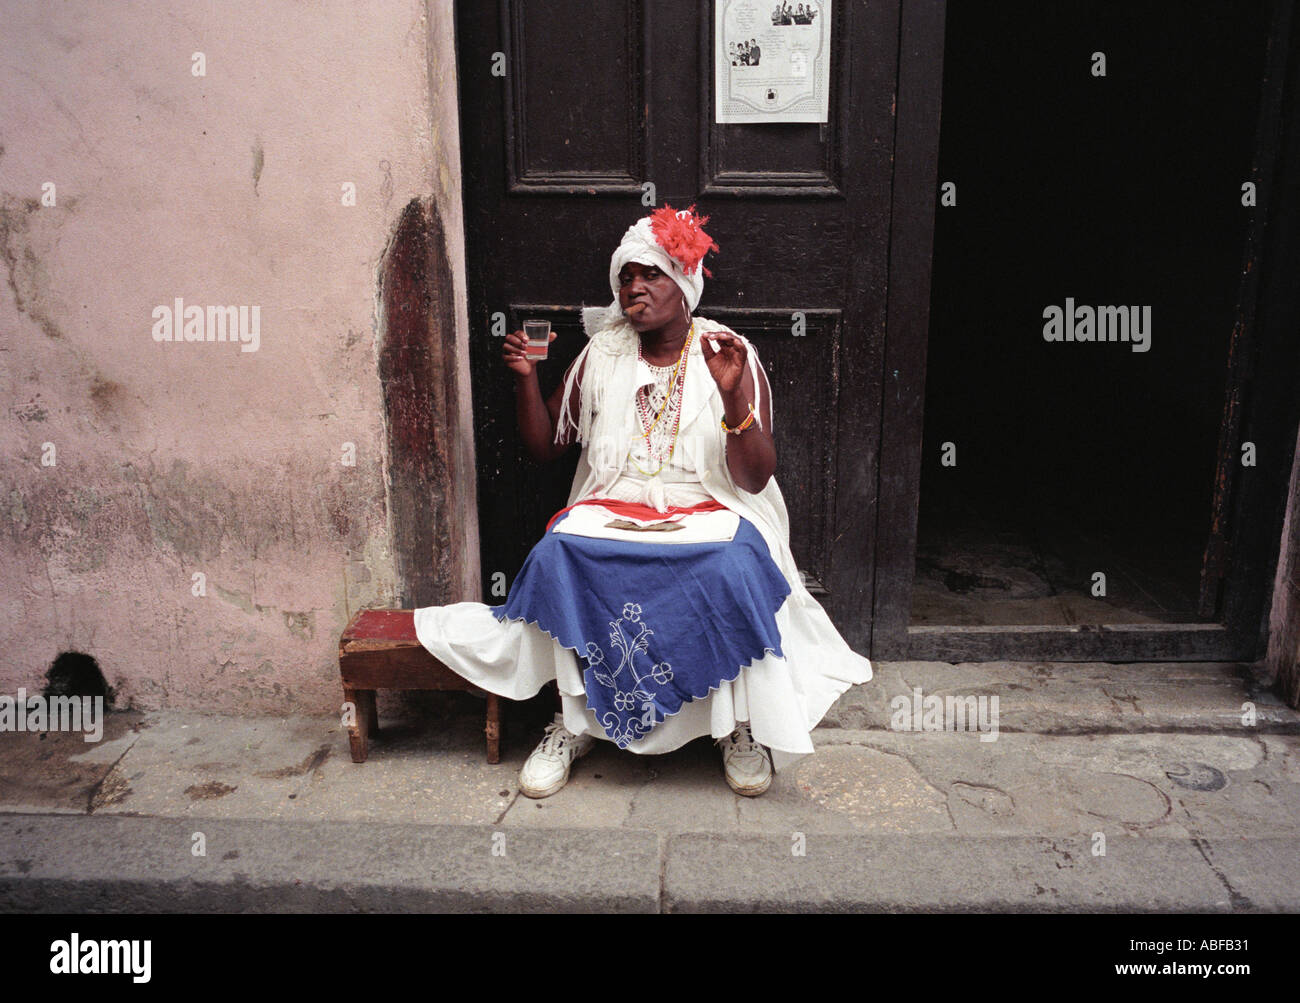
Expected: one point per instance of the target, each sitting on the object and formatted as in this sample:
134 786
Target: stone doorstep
1077 697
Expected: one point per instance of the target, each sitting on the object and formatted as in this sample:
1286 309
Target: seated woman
669 574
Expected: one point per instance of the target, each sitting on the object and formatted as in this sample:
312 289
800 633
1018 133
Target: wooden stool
379 650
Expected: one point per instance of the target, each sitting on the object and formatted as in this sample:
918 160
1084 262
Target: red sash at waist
635 510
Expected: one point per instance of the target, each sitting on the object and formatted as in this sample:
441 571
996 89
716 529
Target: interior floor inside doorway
989 562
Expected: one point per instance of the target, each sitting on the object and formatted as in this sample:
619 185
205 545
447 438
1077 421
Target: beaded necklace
675 388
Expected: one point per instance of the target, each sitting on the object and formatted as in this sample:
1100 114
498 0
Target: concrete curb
990 874
112 864
61 863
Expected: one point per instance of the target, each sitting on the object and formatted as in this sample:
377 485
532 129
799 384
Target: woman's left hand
727 359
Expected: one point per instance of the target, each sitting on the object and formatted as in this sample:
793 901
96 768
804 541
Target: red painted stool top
395 625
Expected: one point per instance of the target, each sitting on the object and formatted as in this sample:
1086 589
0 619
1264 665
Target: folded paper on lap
695 527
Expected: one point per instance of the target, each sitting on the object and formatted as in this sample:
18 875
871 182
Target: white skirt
782 697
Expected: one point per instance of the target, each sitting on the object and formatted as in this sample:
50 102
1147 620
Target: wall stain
240 600
30 411
106 395
301 624
259 159
24 270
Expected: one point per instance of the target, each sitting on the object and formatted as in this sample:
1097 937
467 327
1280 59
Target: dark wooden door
600 99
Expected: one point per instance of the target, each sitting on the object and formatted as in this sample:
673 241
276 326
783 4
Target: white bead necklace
652 400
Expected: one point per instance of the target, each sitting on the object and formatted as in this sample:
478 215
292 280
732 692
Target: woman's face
650 296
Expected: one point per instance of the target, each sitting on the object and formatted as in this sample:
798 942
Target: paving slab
849 788
1111 756
61 771
1155 784
197 766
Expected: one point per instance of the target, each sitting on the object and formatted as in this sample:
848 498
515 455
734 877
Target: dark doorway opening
1079 459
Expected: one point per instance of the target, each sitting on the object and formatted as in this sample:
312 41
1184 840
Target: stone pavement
1108 788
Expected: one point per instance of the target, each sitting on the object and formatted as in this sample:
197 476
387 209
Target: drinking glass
538 333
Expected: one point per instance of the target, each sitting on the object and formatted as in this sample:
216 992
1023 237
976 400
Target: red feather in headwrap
682 237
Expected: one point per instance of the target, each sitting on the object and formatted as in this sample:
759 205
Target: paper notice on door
772 60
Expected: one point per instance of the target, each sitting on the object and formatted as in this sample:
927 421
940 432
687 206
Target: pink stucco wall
181 459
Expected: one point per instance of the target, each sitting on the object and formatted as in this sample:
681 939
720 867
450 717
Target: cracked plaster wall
177 459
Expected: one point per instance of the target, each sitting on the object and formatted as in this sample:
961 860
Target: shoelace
742 740
554 740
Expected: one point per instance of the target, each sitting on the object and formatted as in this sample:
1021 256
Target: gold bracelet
749 420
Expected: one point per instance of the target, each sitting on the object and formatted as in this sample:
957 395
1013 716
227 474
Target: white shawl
607 425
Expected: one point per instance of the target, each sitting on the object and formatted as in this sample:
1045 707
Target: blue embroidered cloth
658 624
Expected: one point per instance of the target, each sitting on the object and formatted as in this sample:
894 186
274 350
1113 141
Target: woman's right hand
515 353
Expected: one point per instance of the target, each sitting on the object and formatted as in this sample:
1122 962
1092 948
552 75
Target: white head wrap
639 245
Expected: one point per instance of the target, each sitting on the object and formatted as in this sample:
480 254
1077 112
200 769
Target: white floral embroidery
630 689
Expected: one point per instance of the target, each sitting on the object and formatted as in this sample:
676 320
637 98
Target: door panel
566 126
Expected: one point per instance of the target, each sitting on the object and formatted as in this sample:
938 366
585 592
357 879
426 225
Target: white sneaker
747 764
547 769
